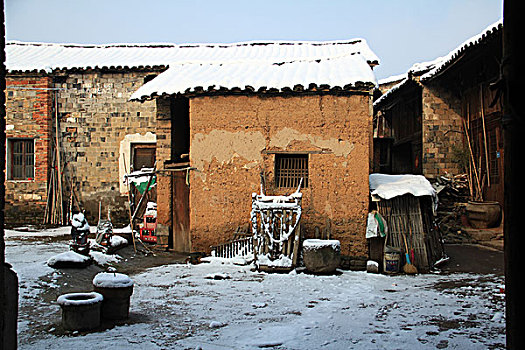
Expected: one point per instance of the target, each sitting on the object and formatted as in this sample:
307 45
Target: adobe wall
232 140
98 124
28 115
442 131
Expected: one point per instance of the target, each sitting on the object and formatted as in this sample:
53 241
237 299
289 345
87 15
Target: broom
408 268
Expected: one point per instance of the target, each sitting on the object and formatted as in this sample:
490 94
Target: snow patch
112 280
315 244
78 299
69 257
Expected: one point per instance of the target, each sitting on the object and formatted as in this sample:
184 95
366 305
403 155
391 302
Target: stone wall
29 115
96 118
98 125
442 131
234 138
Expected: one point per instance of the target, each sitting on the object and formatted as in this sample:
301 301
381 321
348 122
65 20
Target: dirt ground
462 258
474 259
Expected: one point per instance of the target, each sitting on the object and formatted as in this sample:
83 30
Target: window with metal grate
290 169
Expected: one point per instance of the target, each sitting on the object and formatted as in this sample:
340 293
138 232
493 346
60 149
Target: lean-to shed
407 203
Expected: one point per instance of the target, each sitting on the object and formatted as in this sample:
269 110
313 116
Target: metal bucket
391 260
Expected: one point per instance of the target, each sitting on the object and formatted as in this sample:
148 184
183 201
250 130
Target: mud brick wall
442 131
233 139
95 119
29 114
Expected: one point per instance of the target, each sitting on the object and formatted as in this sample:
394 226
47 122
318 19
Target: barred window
290 169
21 159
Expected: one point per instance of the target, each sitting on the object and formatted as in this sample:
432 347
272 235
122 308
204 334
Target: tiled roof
447 60
430 69
23 57
343 72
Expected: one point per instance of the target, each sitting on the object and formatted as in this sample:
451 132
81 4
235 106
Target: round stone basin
116 289
80 311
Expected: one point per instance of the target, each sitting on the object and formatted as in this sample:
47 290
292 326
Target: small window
290 169
143 155
21 159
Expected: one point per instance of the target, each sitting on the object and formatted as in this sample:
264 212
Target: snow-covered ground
221 305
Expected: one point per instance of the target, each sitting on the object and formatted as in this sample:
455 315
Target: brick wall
233 139
29 113
442 131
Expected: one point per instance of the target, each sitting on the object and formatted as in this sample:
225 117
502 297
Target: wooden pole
49 189
473 160
129 209
484 134
59 169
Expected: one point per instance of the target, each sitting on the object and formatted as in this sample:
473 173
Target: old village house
270 112
444 117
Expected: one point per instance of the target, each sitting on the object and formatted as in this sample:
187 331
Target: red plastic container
148 235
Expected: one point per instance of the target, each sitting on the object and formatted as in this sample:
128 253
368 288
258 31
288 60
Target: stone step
483 234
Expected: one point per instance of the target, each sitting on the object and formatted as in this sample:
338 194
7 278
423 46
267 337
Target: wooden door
181 212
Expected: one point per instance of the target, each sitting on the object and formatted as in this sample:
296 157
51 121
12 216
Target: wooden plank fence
233 249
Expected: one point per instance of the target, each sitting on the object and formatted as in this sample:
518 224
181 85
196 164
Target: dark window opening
149 77
180 129
143 155
290 169
21 161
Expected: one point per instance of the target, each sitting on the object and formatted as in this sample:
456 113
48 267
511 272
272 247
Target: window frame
137 146
297 167
24 154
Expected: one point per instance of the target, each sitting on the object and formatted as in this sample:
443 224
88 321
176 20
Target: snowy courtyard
222 304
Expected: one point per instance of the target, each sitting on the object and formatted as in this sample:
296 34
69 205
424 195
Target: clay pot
483 214
80 311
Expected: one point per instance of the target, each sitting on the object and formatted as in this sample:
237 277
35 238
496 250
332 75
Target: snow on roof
390 91
347 71
416 69
390 186
391 79
457 52
427 70
28 56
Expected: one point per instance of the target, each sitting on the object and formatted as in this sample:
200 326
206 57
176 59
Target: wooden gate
276 228
180 212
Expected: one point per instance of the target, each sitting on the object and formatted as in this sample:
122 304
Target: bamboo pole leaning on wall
484 135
